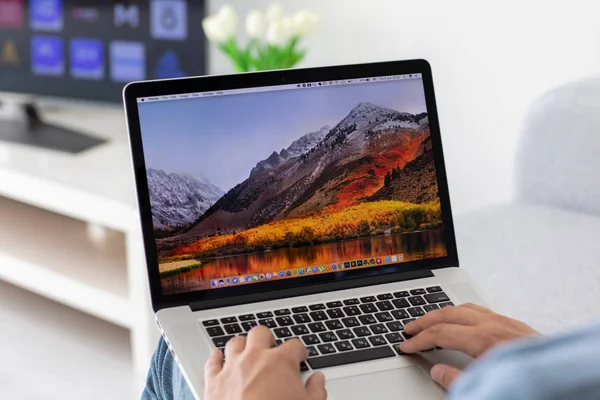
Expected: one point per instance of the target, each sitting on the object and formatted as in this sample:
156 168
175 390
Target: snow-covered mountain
296 149
179 199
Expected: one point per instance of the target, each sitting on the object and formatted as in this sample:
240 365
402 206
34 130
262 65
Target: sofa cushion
535 263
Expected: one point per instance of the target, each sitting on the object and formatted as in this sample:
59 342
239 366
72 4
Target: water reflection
413 246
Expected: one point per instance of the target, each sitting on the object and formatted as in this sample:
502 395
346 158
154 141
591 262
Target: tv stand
20 122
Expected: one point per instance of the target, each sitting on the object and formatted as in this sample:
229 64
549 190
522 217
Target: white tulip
278 32
305 23
220 27
274 12
255 24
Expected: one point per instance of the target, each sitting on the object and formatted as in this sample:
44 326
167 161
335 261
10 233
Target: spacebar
351 357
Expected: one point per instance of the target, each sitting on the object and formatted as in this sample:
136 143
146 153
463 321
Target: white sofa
538 258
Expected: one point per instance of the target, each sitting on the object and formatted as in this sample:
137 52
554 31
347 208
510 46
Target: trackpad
404 383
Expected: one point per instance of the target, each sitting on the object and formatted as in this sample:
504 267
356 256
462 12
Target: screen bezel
300 285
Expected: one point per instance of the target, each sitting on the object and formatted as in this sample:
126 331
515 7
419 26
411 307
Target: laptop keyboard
338 332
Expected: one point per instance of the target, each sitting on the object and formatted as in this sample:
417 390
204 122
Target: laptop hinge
308 290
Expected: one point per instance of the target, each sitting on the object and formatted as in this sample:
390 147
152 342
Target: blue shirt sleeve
553 368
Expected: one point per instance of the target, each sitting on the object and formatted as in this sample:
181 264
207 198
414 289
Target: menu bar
294 86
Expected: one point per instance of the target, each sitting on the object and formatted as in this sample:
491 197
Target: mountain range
330 169
179 199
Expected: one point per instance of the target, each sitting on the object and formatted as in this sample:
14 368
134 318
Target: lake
412 246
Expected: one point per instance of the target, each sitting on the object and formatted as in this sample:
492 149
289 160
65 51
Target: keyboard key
383 317
403 293
278 342
449 303
360 343
345 334
334 304
406 336
221 341
243 334
248 325
315 307
300 330
368 308
407 321
431 307
335 313
326 348
303 367
282 332
265 314
367 319
215 331
417 301
385 296
301 318
401 303
394 337
319 315
297 310
210 322
384 305
232 329
362 331
368 299
434 289
285 321
328 337
312 351
416 292
283 311
400 314
351 357
351 310
317 327
334 324
377 340
350 322
436 297
269 322
416 312
246 317
310 339
344 346
394 326
378 329
351 302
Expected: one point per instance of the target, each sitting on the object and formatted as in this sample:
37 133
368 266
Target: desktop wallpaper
262 185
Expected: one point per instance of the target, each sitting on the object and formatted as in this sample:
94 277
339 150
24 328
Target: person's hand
468 328
254 370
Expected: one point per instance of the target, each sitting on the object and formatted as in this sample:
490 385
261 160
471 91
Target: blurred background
74 312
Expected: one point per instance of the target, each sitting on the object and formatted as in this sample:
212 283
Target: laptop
311 201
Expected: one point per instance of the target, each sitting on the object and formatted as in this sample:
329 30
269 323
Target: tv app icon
87 59
168 19
46 15
127 61
47 55
126 14
168 66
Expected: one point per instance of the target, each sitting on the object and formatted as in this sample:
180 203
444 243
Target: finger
294 349
447 315
315 387
235 346
476 307
213 365
447 336
260 337
444 375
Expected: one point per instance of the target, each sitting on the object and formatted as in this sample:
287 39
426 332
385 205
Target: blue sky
222 138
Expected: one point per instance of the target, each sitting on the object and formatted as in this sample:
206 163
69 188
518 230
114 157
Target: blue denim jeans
562 367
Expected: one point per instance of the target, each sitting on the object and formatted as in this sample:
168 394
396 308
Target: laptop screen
284 182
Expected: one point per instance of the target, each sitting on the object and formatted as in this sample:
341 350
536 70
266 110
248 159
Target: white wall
491 59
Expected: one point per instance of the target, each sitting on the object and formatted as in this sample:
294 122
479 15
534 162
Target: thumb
315 386
444 375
